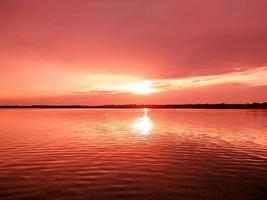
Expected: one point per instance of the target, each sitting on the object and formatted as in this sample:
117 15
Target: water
133 154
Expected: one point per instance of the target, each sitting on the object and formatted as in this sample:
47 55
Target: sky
122 51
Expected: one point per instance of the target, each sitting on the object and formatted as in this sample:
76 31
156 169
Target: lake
133 154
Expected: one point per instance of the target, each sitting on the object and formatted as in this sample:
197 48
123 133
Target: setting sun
143 88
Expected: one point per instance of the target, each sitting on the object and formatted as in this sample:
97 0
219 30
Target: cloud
98 91
106 84
150 39
253 77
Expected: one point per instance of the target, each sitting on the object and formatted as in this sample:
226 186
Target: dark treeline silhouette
165 106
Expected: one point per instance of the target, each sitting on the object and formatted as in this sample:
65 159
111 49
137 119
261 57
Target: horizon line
162 106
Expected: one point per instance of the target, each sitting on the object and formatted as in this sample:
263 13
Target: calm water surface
133 154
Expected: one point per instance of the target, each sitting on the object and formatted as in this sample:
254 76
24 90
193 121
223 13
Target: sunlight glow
118 84
143 88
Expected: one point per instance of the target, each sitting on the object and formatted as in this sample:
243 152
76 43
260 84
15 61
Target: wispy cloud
253 77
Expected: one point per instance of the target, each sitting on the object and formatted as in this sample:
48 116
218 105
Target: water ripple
131 154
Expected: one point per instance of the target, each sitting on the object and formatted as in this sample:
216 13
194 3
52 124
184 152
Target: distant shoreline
151 106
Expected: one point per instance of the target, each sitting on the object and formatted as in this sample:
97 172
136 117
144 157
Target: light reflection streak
143 124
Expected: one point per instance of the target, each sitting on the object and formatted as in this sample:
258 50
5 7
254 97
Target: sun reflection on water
143 124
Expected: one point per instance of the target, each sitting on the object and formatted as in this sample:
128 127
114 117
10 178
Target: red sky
124 51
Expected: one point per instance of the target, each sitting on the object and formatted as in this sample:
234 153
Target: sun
143 88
